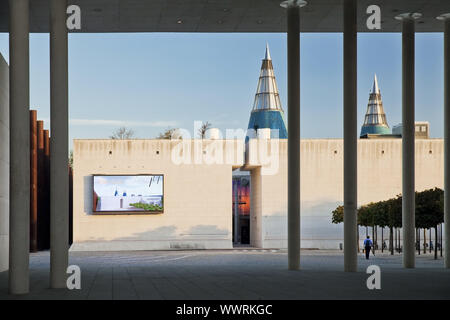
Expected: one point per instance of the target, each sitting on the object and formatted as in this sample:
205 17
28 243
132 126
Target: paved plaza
242 273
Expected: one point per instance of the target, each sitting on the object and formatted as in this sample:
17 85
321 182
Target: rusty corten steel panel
41 185
46 213
33 181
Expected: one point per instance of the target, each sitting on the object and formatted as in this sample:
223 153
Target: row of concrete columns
350 134
20 146
59 195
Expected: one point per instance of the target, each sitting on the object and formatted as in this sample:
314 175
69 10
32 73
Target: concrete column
408 179
350 137
19 85
293 48
4 164
59 172
446 19
293 77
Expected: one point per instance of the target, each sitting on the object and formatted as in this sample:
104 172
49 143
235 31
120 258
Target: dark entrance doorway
241 209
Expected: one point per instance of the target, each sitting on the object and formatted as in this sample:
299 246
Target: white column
446 19
19 95
408 100
59 173
293 79
350 137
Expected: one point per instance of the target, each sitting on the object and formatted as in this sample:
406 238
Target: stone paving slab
234 274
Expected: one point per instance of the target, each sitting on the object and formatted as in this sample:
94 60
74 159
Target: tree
365 215
170 133
429 210
381 218
429 214
394 206
338 215
202 131
122 133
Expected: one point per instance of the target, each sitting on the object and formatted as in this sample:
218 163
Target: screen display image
128 193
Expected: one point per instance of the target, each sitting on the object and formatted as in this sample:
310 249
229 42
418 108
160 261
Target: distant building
206 207
227 193
267 112
422 129
375 122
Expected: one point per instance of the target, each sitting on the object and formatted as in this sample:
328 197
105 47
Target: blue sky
152 81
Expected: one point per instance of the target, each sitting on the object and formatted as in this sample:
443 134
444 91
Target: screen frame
128 212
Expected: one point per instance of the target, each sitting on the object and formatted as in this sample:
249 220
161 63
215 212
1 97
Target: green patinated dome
374 129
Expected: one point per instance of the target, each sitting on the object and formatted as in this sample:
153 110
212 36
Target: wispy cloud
121 123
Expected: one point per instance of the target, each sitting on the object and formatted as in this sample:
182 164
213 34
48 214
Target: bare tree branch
202 131
122 133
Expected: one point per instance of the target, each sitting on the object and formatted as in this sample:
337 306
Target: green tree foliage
429 208
147 207
381 214
395 212
365 215
388 213
338 215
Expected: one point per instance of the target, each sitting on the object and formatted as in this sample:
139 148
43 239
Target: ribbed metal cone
375 120
267 96
267 111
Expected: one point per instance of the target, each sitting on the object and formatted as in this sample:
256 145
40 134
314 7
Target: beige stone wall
197 194
379 178
4 164
198 191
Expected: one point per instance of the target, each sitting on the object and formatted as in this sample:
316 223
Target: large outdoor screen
128 193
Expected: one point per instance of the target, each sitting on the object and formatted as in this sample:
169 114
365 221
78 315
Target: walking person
367 246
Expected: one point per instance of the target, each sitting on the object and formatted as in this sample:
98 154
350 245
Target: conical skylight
375 115
267 97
